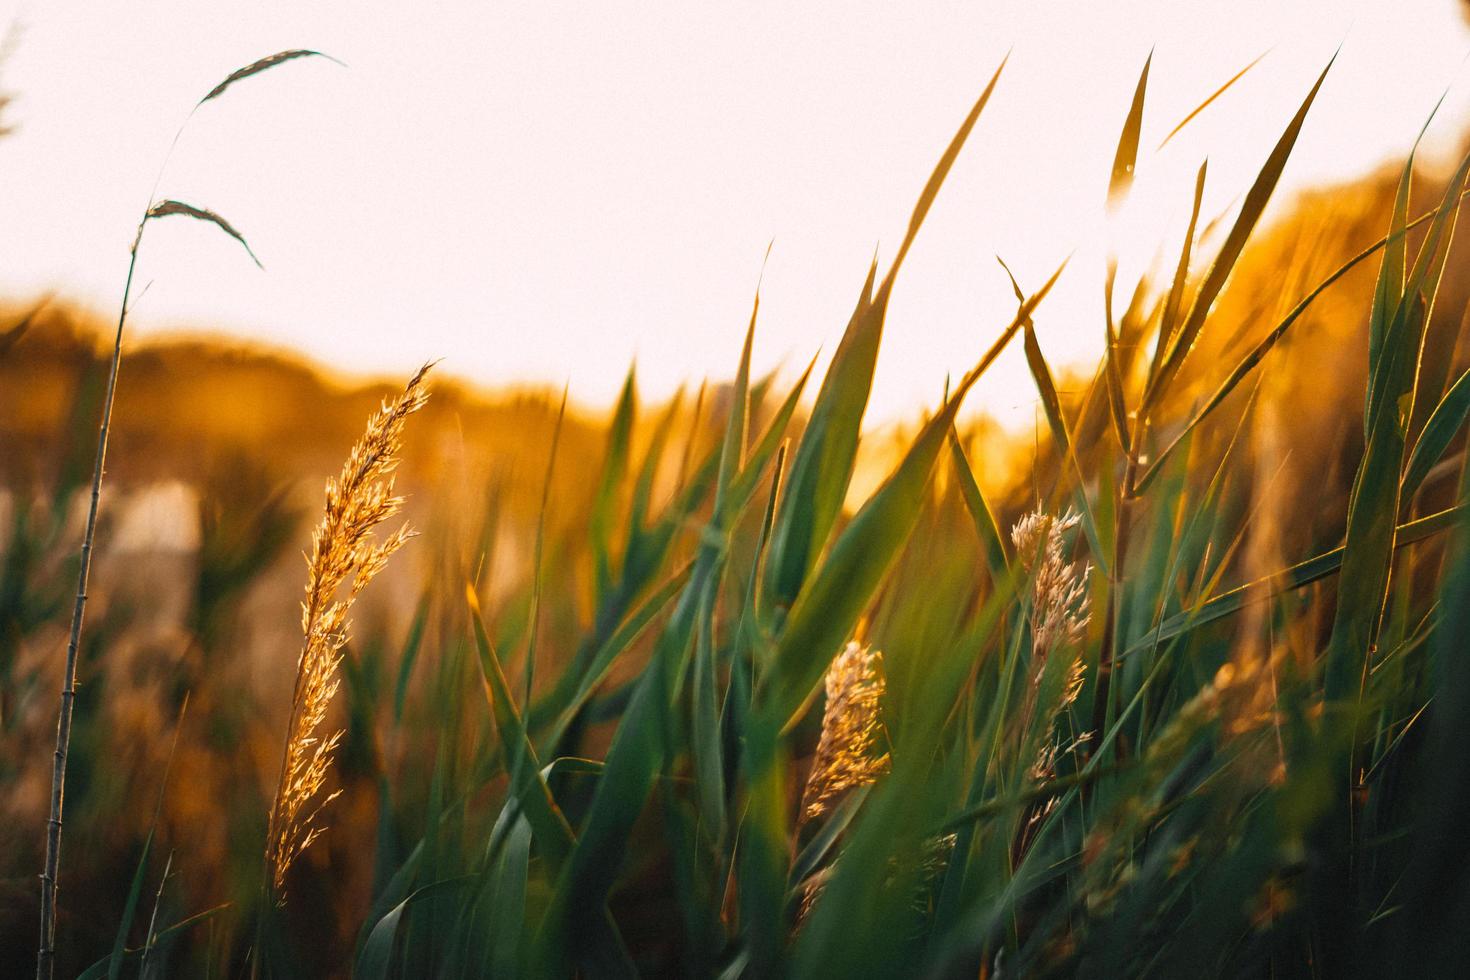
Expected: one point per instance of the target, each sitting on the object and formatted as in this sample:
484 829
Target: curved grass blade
130 908
1117 400
1052 405
256 67
164 209
614 469
538 554
1389 288
706 747
1446 420
771 440
508 901
410 656
602 661
376 960
635 757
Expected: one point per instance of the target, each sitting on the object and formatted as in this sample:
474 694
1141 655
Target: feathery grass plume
1059 599
343 550
846 752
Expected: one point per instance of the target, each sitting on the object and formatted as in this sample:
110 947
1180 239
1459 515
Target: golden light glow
543 193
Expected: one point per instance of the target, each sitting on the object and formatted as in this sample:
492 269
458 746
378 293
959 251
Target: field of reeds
1183 693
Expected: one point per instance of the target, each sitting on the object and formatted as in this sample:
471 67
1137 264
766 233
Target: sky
542 193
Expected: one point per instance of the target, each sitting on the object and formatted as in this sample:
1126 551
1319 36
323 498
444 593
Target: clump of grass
344 552
948 827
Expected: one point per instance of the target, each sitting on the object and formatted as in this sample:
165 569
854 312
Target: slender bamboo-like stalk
46 956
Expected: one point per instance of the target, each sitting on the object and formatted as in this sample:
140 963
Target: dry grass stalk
256 67
344 552
847 754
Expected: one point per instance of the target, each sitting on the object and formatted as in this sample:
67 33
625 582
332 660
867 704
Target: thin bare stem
46 957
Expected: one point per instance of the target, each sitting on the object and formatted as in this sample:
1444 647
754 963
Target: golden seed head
847 752
343 551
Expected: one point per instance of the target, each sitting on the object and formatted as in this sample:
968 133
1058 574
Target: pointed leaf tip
1125 161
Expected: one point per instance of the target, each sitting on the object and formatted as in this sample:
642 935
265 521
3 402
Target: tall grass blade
1250 213
1125 159
1375 501
550 827
1446 420
1213 96
824 460
828 607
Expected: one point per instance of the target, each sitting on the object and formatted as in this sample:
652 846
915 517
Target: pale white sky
543 191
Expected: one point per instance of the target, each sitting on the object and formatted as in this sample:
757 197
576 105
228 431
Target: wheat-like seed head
847 753
1059 614
343 550
1059 600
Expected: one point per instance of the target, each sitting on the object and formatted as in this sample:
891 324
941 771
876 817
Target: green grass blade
1389 288
1263 347
992 542
602 660
508 901
1250 213
411 647
825 612
614 468
376 959
98 970
707 749
1052 405
1295 577
1117 399
1172 306
732 450
824 460
828 446
770 441
1444 422
1375 502
553 834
